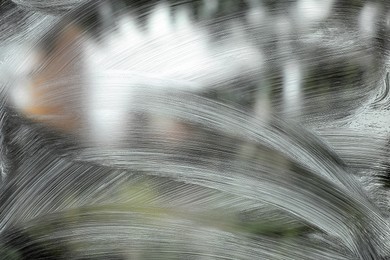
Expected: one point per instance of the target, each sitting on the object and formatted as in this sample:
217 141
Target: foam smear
194 130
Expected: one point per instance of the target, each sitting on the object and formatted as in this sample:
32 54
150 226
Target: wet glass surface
194 129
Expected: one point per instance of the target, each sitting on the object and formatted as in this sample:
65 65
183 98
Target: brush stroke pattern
194 129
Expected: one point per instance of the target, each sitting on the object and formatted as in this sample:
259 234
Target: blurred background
194 129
